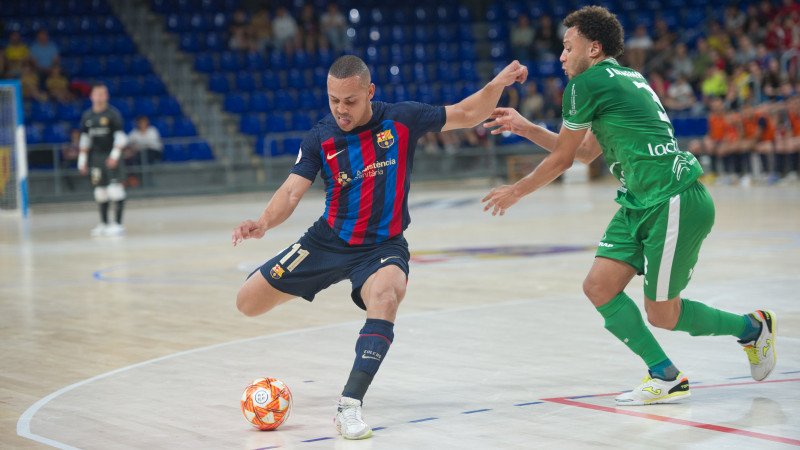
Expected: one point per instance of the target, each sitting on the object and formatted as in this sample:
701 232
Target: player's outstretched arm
279 208
476 108
508 119
561 158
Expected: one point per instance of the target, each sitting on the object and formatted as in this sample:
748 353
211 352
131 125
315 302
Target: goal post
13 150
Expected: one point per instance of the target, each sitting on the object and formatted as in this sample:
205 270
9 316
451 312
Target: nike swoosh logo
334 155
383 260
370 357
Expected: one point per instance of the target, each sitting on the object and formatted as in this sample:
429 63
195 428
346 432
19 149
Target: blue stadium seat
68 112
270 80
548 68
444 72
301 59
144 106
175 153
65 26
32 134
646 18
204 63
319 77
301 121
235 102
291 146
176 23
401 94
251 124
325 57
421 53
199 23
130 86
276 123
55 133
78 45
259 102
116 65
152 85
245 81
215 42
467 52
169 106
447 94
88 25
124 45
183 126
277 58
399 54
101 45
163 127
420 73
445 33
124 107
467 71
398 34
444 52
284 101
307 100
190 43
43 112
200 151
422 34
266 146
254 61
297 79
112 25
91 66
229 62
498 51
424 94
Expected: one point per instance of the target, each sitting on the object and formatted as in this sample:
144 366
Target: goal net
13 156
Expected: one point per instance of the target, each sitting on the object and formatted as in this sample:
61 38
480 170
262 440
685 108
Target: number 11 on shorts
301 255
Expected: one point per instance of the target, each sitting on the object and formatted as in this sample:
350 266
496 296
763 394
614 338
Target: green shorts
663 241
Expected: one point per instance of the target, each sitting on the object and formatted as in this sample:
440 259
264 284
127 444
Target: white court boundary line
24 422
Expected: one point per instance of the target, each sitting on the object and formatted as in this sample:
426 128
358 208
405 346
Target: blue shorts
321 258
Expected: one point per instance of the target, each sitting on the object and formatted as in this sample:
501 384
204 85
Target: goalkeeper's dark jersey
100 127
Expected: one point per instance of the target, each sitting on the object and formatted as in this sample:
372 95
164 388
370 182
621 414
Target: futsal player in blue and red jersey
364 151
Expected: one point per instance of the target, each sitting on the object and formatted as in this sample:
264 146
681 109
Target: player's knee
100 194
246 305
116 192
386 301
595 291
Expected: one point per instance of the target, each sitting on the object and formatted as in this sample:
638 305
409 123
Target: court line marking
569 401
24 422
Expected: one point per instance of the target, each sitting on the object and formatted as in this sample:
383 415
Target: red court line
689 423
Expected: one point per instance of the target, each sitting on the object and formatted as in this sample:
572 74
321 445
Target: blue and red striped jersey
367 171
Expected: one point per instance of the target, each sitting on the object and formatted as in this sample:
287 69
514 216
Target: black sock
103 212
714 164
780 163
764 162
118 208
794 159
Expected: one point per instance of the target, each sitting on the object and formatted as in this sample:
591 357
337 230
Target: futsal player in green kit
664 215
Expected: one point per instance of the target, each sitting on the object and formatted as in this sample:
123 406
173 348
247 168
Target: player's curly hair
350 66
596 23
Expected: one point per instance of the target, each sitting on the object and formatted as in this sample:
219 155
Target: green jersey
633 129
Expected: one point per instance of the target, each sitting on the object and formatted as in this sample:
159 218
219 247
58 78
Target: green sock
624 320
699 319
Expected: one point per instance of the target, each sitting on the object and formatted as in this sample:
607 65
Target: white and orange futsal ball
266 403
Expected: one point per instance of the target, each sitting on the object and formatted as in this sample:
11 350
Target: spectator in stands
532 107
44 53
548 41
702 60
58 86
680 96
718 39
17 55
788 8
509 98
522 37
715 84
734 19
681 64
2 65
663 37
745 52
309 28
285 30
238 20
766 12
30 84
241 40
787 157
710 148
261 29
775 38
145 141
333 26
638 48
758 135
553 95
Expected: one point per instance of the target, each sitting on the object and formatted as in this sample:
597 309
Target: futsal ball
266 403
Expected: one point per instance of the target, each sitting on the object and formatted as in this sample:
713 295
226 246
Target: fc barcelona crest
385 139
276 272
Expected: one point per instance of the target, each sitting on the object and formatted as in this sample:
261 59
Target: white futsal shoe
99 230
761 352
654 391
348 420
115 229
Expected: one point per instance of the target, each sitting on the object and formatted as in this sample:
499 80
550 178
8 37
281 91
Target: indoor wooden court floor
135 342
